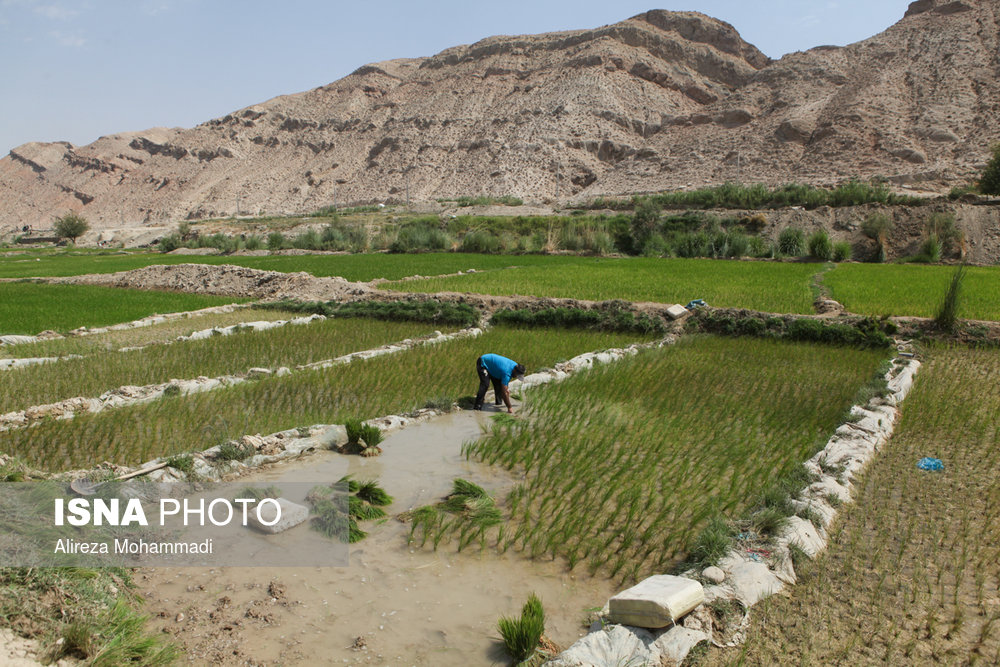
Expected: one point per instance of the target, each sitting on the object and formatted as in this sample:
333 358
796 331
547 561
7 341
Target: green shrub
254 242
481 241
170 242
877 227
419 236
275 241
181 462
841 251
942 227
820 246
790 242
521 635
947 315
71 226
614 317
989 182
930 251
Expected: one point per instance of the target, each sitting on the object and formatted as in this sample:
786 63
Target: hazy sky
75 70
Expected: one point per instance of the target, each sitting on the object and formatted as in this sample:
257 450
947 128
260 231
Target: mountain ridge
661 100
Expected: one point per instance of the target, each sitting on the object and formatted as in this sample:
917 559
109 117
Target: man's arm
506 398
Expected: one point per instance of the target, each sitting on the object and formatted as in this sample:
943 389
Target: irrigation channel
394 604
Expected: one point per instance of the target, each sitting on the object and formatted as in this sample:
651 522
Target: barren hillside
661 100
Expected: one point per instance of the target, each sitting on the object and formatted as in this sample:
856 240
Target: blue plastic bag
695 303
930 463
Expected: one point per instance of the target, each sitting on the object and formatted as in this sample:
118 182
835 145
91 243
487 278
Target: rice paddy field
626 463
28 308
364 389
154 334
911 289
290 345
912 572
360 267
768 286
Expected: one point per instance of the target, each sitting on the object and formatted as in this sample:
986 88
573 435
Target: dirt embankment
228 280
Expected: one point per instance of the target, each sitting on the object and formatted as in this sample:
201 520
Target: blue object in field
695 303
930 463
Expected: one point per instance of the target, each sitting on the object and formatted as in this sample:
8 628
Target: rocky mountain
662 100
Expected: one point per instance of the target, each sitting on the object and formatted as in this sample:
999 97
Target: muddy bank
393 604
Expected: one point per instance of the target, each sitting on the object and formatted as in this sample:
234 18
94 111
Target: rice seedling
473 512
359 267
521 635
371 436
28 308
772 287
372 387
286 346
910 289
911 571
151 335
670 453
364 502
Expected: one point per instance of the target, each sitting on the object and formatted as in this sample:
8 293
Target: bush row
758 196
433 312
867 332
609 316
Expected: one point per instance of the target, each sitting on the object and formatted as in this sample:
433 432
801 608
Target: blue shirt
499 367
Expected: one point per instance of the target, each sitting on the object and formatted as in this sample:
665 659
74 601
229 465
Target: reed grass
624 465
369 388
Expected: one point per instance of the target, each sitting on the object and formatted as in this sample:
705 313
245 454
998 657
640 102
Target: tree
71 226
989 183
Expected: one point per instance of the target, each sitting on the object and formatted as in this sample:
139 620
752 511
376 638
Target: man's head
518 371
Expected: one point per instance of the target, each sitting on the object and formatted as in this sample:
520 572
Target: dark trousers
484 384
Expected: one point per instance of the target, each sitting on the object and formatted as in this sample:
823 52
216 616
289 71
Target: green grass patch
906 289
431 312
626 464
766 286
28 308
378 386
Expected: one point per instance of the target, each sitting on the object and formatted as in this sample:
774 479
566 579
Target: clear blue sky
75 70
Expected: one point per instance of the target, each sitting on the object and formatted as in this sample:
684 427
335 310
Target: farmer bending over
498 370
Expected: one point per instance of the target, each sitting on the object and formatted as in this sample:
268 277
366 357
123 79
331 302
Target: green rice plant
712 543
390 384
413 310
371 436
354 427
260 493
28 308
909 289
765 286
286 346
521 635
363 511
893 554
371 492
668 461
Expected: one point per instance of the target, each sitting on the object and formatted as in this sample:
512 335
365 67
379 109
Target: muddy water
393 604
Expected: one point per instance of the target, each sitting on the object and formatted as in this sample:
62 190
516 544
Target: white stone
675 644
676 311
803 533
714 574
752 581
613 646
292 514
656 601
